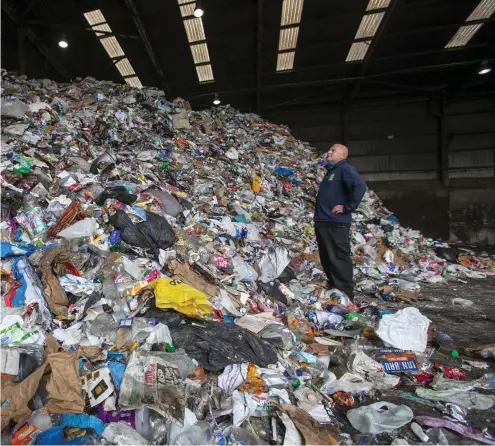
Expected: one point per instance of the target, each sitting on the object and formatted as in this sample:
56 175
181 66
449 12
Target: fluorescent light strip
291 15
195 33
367 28
466 32
97 21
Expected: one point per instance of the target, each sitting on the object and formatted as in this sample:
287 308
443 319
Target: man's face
334 155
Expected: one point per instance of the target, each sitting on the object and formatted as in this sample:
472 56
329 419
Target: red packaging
451 372
343 399
424 377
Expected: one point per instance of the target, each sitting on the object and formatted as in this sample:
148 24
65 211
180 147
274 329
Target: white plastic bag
83 228
379 417
407 329
273 263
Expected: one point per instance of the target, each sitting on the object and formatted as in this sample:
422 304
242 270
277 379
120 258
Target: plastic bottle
416 428
446 344
200 433
35 215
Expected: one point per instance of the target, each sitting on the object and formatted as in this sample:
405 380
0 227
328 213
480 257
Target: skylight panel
134 82
288 38
200 53
289 33
124 67
187 9
370 23
466 32
97 22
291 12
285 61
358 51
194 30
205 73
197 40
377 4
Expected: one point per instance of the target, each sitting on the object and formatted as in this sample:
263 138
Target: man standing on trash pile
340 193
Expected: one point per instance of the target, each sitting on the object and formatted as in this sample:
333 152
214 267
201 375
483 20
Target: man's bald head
337 152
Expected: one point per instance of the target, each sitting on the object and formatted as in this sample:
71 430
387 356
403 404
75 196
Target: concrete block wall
448 192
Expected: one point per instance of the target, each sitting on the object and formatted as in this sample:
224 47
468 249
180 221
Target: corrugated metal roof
285 61
205 73
194 30
484 10
369 25
200 53
124 67
288 38
291 12
358 51
463 35
377 4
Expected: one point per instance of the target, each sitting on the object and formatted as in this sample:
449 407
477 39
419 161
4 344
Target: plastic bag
155 233
83 228
273 263
176 295
167 202
379 417
406 329
214 345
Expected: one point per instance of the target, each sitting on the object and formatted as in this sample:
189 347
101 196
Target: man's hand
339 209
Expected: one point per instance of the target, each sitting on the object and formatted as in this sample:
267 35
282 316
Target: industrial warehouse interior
247 222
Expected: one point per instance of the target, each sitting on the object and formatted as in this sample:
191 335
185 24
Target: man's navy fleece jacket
342 185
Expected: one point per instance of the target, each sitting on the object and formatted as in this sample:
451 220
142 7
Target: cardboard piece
52 265
64 390
185 274
311 431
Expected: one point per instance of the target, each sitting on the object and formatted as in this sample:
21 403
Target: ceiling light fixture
198 10
216 99
63 43
485 68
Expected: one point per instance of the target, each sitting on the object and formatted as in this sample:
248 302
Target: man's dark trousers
335 254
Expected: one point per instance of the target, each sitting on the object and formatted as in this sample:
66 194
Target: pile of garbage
161 285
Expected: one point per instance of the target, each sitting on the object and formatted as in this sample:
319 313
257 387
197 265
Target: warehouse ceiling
259 55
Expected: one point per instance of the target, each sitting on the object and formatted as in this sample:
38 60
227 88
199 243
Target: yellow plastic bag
176 295
256 184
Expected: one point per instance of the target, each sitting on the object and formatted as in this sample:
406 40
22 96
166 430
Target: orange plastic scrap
253 383
182 143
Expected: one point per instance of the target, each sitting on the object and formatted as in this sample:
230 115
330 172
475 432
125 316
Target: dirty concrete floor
469 327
